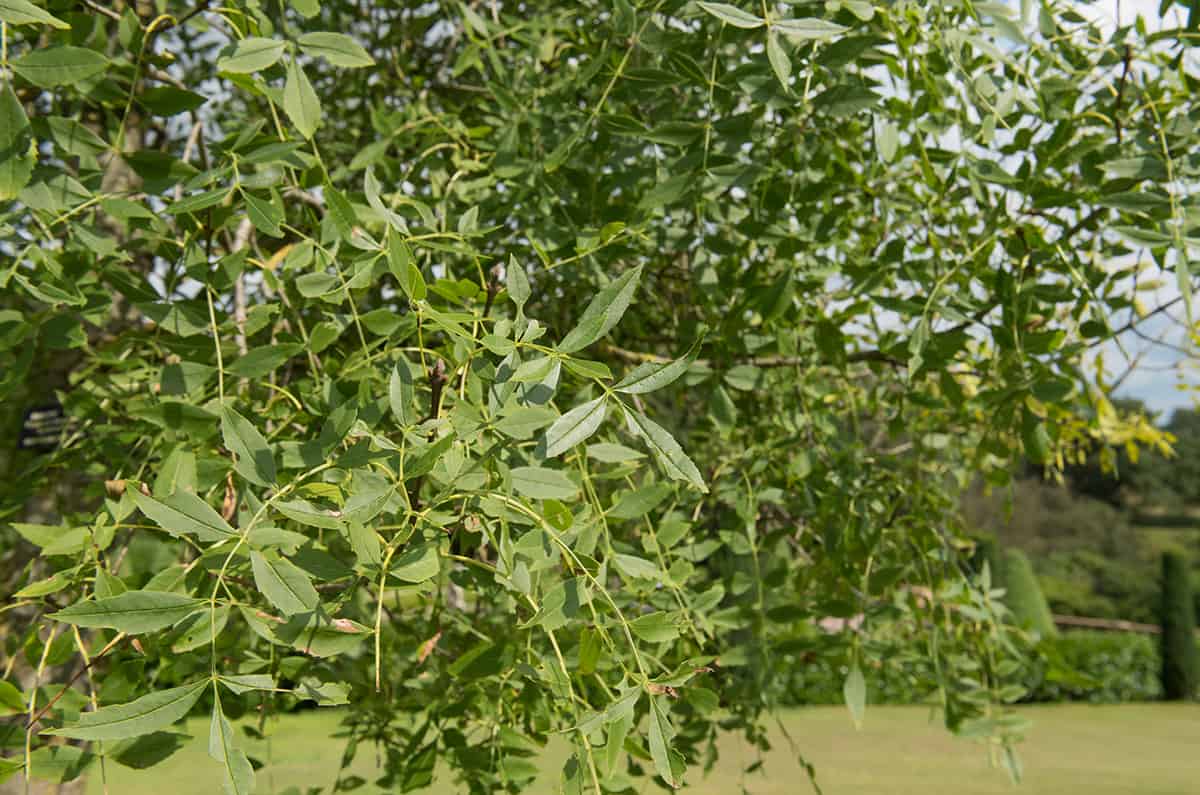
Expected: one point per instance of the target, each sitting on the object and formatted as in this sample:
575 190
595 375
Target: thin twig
111 645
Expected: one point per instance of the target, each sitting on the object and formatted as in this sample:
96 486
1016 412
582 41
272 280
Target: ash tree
517 370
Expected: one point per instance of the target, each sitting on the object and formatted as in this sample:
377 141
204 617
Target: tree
1180 663
508 369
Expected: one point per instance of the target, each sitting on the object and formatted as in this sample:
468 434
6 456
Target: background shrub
1024 596
1097 667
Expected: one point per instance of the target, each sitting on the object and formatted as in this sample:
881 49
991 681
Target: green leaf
244 683
22 12
56 66
133 612
251 55
522 422
638 503
635 567
658 627
238 775
562 603
402 394
306 513
142 716
207 625
404 268
177 473
369 493
649 376
52 584
539 483
575 426
668 452
611 453
283 583
264 359
1135 201
417 564
341 212
266 217
365 543
517 282
337 48
604 312
12 702
887 140
1148 167
307 8
808 28
665 193
1142 237
661 733
275 537
54 540
854 691
779 60
300 101
255 461
16 139
170 101
1038 445
184 513
732 15
200 201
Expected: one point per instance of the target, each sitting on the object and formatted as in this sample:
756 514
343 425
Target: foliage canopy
510 369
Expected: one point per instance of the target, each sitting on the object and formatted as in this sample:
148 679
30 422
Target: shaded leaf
148 750
416 564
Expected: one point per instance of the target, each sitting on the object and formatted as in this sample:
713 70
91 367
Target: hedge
1180 666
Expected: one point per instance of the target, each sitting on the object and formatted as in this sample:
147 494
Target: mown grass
1147 749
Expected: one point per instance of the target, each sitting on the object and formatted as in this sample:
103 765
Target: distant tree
1181 475
1180 661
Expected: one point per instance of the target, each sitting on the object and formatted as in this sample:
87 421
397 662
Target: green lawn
1150 749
